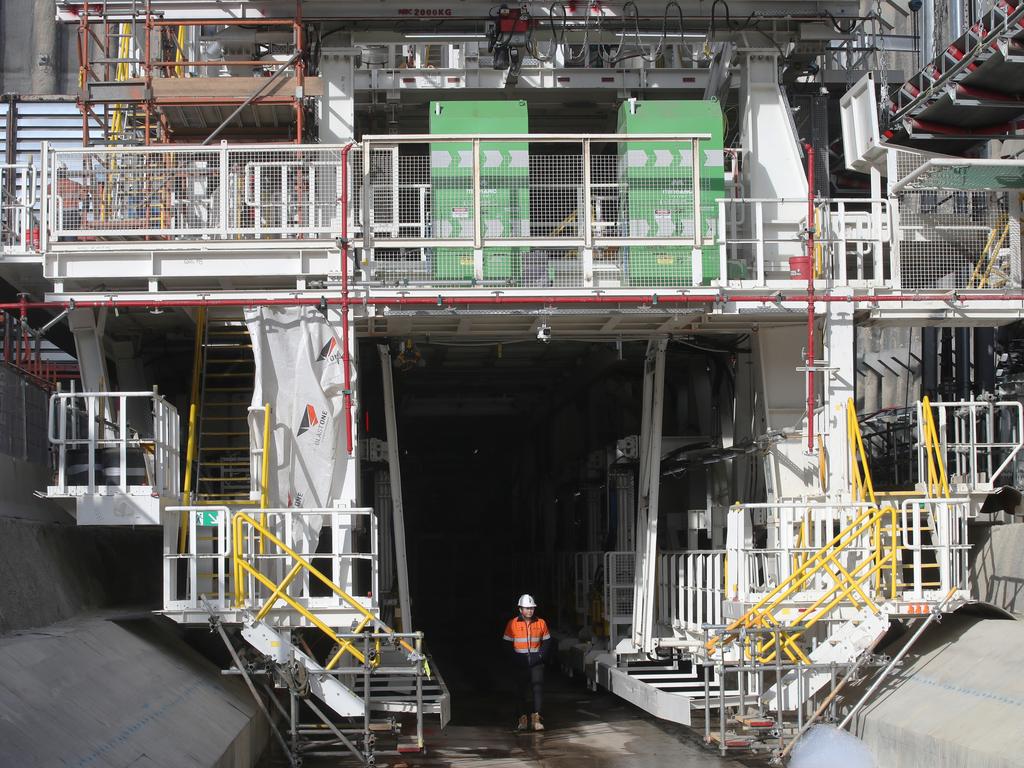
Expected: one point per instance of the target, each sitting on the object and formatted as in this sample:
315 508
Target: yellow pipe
179 54
934 436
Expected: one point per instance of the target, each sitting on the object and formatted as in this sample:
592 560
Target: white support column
773 165
349 465
397 510
87 328
131 377
839 351
647 497
337 105
92 361
789 471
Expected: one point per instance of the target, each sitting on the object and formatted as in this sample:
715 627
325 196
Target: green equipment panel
504 187
656 182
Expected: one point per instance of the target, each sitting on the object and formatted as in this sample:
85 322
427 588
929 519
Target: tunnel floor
582 728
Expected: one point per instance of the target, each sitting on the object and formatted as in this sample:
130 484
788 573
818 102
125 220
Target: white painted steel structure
115 472
206 566
261 222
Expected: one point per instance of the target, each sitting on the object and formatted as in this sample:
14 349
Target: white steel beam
838 382
395 471
649 14
647 497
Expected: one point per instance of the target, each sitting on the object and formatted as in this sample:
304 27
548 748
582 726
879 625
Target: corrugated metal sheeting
22 418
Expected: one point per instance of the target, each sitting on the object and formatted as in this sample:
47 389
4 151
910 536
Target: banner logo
311 420
329 351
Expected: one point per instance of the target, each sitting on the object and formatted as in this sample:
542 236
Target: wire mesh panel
950 237
958 239
619 575
196 192
547 212
588 577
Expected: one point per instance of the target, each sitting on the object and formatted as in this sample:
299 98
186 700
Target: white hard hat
527 601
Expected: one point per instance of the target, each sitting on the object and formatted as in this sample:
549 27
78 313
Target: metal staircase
259 578
288 589
813 604
218 470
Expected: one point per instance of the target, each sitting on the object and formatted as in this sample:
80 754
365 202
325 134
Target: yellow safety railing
989 257
851 586
861 486
279 590
265 472
937 482
859 586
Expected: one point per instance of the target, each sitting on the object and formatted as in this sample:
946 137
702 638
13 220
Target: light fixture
667 36
453 36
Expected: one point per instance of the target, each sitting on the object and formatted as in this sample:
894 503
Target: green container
504 194
657 179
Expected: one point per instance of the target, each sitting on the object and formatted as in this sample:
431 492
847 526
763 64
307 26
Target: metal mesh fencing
619 568
764 239
955 239
195 192
459 211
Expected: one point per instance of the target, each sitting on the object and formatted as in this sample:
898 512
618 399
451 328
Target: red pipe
810 298
345 353
23 351
552 301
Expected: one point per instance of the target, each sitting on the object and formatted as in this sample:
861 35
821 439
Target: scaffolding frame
118 47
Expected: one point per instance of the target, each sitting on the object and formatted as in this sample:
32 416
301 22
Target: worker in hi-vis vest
530 640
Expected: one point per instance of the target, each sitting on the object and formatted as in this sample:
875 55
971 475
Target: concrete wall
998 566
888 368
121 692
20 54
52 571
957 702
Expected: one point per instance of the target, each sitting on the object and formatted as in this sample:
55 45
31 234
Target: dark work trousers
530 685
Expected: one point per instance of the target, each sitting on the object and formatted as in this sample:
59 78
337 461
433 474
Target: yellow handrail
989 254
848 584
938 482
861 485
279 591
878 522
265 472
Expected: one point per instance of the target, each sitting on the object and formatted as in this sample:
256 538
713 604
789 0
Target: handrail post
223 191
588 217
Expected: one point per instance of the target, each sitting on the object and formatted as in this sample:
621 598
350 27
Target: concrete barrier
94 692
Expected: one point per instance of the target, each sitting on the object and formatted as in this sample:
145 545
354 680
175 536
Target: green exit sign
210 518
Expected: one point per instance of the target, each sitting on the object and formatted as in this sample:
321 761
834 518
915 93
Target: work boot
524 723
535 722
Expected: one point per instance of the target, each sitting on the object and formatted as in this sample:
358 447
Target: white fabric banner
299 373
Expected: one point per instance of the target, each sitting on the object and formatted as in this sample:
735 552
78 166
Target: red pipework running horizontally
346 360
